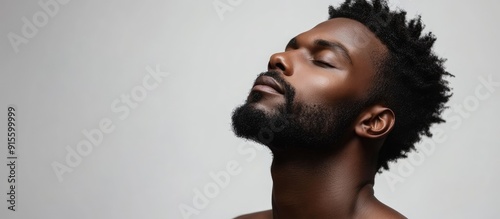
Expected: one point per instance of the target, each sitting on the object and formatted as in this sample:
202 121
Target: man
343 99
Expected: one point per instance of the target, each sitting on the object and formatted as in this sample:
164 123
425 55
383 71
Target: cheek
321 89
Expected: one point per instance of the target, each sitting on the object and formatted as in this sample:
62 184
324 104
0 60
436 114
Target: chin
263 107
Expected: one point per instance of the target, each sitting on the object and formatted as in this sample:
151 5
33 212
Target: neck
326 185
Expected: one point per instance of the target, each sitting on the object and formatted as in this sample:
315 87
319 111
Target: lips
268 84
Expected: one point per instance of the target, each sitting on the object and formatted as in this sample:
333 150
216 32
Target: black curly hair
411 81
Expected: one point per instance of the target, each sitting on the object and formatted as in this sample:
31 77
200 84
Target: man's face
314 90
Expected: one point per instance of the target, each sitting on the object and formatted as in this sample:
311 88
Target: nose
280 61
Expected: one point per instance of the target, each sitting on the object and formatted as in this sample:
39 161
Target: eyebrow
334 46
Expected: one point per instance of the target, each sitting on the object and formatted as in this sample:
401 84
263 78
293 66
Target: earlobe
375 122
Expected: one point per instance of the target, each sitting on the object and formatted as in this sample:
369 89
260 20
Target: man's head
365 73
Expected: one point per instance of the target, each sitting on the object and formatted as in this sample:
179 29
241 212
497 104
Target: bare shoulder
387 213
378 209
257 215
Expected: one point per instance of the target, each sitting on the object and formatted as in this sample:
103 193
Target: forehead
360 42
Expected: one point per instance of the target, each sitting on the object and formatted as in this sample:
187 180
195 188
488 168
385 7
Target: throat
320 186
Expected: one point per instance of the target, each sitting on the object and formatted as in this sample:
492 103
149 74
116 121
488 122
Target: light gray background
66 78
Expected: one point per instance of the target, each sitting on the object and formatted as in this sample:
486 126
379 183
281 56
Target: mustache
289 89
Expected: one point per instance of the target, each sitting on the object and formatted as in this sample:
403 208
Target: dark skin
326 65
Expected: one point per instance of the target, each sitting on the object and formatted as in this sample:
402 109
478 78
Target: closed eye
323 64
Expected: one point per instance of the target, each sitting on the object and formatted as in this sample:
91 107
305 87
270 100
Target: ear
375 122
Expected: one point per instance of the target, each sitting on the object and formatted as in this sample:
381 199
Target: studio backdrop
121 109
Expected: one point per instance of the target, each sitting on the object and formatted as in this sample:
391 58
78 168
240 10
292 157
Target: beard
294 125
